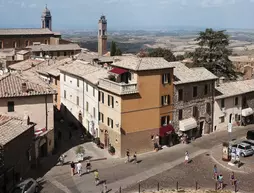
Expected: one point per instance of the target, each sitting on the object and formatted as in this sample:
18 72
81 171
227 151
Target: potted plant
80 152
112 150
97 141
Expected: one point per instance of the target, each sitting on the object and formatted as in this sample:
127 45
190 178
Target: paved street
117 173
199 170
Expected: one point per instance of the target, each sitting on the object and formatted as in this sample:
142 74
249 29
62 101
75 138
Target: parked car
242 149
250 135
250 142
26 186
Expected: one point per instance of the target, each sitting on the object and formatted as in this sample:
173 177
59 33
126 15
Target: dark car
26 186
250 135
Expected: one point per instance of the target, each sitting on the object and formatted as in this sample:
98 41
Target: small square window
195 91
10 106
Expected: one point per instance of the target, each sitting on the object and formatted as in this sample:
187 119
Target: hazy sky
130 14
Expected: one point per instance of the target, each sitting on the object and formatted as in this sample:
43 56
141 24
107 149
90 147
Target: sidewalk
117 173
246 168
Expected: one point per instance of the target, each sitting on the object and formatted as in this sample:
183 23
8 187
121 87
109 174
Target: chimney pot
24 87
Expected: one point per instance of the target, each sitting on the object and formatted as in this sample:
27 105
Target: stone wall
189 102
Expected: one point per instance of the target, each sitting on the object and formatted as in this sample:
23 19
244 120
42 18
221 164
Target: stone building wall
189 102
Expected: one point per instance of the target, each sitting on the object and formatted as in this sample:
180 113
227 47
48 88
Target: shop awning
166 130
118 71
187 124
246 112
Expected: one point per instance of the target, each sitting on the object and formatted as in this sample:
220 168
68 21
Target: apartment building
193 100
79 93
22 96
135 103
234 104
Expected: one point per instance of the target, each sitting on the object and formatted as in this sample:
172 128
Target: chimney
24 87
28 120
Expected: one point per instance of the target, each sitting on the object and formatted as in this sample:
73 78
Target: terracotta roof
11 86
26 31
25 64
234 88
139 64
188 75
59 47
87 71
12 127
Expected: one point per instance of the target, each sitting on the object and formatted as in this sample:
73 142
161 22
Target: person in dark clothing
72 168
88 166
128 155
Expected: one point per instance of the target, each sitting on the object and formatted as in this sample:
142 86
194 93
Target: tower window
99 32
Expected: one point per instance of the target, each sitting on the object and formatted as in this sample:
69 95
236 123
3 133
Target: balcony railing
118 88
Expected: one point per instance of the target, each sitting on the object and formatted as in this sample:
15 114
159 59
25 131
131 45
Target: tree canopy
162 52
213 53
114 50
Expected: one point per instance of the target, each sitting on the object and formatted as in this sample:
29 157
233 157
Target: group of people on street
135 160
77 168
220 180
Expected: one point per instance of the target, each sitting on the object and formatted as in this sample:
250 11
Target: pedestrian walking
96 177
79 168
88 166
105 188
232 178
215 172
186 159
61 159
128 156
220 180
72 168
135 159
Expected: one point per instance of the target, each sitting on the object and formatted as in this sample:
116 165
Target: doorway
201 128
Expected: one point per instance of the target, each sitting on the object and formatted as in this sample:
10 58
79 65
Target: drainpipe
46 109
213 93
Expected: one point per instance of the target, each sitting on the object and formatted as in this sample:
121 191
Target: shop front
167 136
188 127
247 116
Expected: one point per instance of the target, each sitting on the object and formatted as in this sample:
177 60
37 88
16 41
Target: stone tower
46 19
102 36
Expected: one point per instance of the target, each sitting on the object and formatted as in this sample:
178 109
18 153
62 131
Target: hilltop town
79 120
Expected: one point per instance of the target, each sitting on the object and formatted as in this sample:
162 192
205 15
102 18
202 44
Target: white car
250 142
242 149
26 186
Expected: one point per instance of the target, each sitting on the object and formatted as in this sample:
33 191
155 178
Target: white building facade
233 104
79 93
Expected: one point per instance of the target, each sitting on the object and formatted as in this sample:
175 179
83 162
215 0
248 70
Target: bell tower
102 36
46 19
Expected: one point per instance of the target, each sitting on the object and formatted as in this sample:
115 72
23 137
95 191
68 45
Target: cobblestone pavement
117 173
199 170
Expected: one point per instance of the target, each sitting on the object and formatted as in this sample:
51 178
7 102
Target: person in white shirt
79 168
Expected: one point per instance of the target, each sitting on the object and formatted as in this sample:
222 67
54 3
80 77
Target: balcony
118 88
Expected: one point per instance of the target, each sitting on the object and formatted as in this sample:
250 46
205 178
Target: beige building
135 103
23 97
54 51
244 64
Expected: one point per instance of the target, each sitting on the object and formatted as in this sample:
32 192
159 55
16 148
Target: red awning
166 130
118 71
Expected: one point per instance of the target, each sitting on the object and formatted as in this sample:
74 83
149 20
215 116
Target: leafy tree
113 48
118 52
162 52
179 57
213 53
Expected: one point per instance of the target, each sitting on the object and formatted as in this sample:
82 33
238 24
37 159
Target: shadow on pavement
62 145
